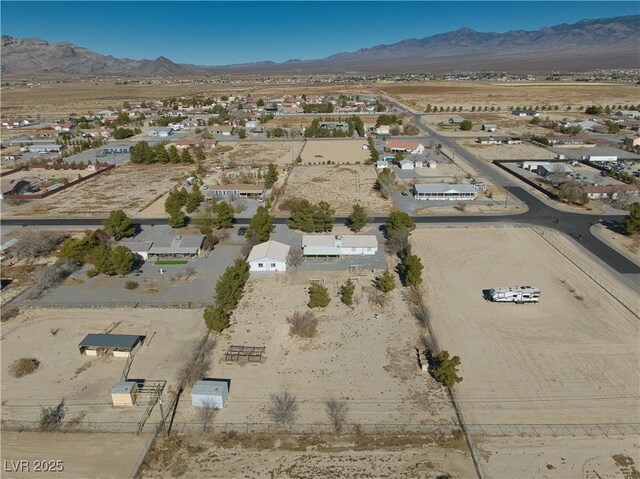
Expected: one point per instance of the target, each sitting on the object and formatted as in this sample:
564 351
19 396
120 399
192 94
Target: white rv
515 294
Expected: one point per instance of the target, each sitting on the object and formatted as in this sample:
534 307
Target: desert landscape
338 152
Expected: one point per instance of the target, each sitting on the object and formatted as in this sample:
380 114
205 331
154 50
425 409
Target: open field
309 457
131 188
340 186
99 456
261 153
507 124
572 358
560 458
370 363
335 151
84 382
524 151
504 95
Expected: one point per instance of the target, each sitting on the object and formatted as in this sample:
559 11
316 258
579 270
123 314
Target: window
260 265
273 265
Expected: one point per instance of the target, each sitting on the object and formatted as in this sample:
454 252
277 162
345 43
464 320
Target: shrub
337 412
131 285
446 369
92 272
196 365
50 275
216 318
318 296
23 367
304 325
283 408
34 244
8 313
51 417
385 283
346 292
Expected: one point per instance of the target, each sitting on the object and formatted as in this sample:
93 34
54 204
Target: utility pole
506 200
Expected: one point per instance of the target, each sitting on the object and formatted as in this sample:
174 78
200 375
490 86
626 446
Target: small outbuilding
117 345
213 392
406 165
432 164
124 394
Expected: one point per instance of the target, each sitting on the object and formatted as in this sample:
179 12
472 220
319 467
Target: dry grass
304 325
130 285
8 313
24 366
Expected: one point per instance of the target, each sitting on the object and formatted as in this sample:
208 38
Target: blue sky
220 33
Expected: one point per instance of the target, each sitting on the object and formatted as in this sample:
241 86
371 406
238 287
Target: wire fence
632 306
486 430
115 304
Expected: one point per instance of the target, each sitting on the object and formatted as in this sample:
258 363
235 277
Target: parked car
242 231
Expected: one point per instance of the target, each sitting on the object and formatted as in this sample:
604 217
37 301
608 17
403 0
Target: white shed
432 164
212 392
269 256
124 394
418 163
406 165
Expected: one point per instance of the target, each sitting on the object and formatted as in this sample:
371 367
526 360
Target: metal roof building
444 192
210 392
118 345
339 245
269 256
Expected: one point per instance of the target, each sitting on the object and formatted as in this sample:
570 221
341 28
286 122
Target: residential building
596 192
158 246
406 164
554 168
383 130
524 112
339 245
269 256
632 141
630 113
456 120
225 130
116 149
413 147
444 192
489 127
239 190
159 131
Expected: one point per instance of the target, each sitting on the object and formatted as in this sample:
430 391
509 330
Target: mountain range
585 45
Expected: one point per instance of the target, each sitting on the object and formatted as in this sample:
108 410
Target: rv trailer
515 294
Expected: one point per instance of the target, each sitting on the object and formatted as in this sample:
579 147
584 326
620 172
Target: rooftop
117 341
440 188
270 249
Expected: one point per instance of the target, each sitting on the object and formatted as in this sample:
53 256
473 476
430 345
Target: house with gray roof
444 192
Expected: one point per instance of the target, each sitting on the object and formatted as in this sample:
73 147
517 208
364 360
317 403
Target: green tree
230 286
272 176
100 257
242 133
445 370
78 249
411 268
318 296
119 225
205 218
612 128
386 183
185 156
397 221
174 157
121 260
631 222
346 292
194 199
216 318
224 215
308 217
466 125
385 283
261 225
374 156
358 218
199 153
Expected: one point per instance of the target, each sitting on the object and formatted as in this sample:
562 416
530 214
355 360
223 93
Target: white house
456 120
418 163
160 131
412 147
382 164
532 165
432 164
489 127
521 112
383 130
406 164
339 245
269 256
210 392
444 192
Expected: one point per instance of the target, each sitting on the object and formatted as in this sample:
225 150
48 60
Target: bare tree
420 311
304 325
206 413
197 364
337 412
37 243
295 257
50 275
398 244
51 417
189 271
378 298
283 408
461 206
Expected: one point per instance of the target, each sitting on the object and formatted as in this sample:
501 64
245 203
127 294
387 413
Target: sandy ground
524 151
100 456
469 209
507 124
309 457
335 151
340 186
572 358
369 363
506 94
84 382
131 188
261 153
560 458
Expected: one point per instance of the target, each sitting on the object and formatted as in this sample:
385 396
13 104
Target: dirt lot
309 457
572 358
335 151
507 124
369 363
131 188
524 151
97 455
261 153
504 95
340 186
84 382
560 458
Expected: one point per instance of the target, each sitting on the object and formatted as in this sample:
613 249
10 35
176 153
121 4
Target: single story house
239 190
532 165
588 124
489 127
339 245
117 345
124 394
406 164
383 130
116 149
456 120
630 113
224 130
161 132
444 192
180 246
524 112
210 392
596 192
105 113
555 168
412 147
334 125
382 164
632 141
45 148
499 140
601 158
269 256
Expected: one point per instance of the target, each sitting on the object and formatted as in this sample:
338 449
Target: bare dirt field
572 358
84 382
369 363
335 151
341 186
507 124
560 458
264 152
524 151
131 188
97 455
504 95
309 457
